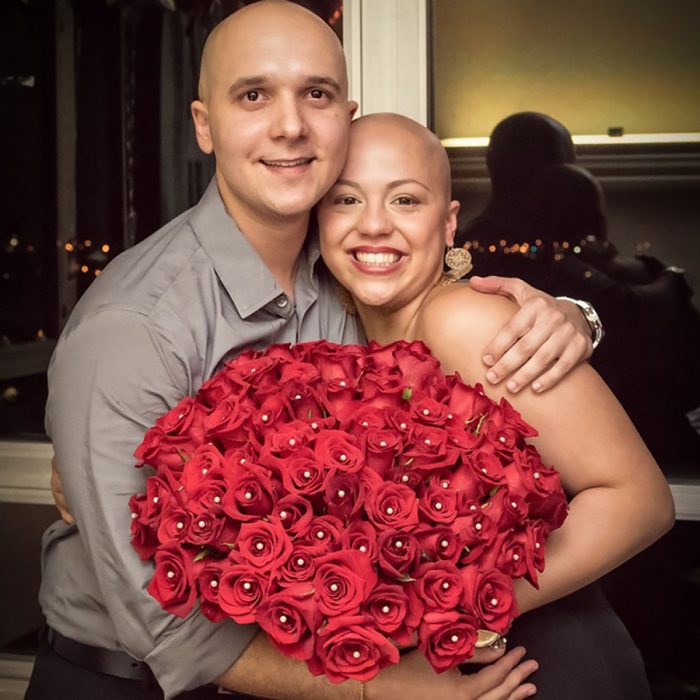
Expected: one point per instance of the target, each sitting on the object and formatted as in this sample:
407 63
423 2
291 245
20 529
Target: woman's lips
376 261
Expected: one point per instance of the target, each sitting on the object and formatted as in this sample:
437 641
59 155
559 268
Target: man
233 272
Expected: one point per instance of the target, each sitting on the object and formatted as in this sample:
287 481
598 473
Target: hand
544 341
414 679
57 492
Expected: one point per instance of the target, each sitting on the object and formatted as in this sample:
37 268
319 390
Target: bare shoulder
459 315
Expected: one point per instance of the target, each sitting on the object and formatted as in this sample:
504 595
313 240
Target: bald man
234 272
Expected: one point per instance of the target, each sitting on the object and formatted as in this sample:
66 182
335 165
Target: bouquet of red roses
350 500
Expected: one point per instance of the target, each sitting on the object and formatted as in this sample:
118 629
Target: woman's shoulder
458 313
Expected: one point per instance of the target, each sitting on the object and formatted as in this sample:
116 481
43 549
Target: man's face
275 114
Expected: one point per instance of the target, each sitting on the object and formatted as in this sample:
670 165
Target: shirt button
282 301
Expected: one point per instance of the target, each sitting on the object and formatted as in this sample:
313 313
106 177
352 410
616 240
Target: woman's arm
620 501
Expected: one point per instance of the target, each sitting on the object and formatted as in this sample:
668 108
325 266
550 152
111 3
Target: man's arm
109 380
541 344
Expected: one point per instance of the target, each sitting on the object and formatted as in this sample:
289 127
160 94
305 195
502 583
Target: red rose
506 509
172 584
300 567
490 595
185 420
298 372
360 535
324 531
392 506
487 467
250 493
383 389
515 555
439 585
476 531
447 638
303 400
421 371
174 525
396 611
338 450
429 449
289 438
399 554
381 448
205 465
273 412
163 452
356 417
347 647
342 495
426 410
337 362
290 618
208 579
439 504
294 513
266 546
439 543
304 474
241 590
343 581
206 528
143 535
227 423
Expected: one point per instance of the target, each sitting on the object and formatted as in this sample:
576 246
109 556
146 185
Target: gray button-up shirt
158 322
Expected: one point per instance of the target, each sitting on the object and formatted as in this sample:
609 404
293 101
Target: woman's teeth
378 259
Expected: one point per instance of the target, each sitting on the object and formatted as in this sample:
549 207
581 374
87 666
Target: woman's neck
385 325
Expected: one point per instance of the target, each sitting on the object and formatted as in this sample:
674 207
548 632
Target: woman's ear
451 222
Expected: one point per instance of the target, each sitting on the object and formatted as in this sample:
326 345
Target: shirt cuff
198 652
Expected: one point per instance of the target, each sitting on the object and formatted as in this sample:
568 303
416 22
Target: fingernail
491 376
537 386
512 386
488 360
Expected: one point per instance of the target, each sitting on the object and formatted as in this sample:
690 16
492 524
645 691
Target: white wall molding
386 44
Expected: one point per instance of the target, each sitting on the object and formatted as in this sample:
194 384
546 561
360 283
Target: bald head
253 27
388 128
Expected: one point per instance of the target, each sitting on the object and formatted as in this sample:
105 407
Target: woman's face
385 223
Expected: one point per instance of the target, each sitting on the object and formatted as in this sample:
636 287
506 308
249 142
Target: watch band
591 316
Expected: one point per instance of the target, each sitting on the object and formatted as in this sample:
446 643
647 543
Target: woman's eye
405 201
346 199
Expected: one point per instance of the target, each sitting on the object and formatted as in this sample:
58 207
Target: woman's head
385 223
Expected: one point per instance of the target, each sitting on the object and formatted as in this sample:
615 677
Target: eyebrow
258 80
392 185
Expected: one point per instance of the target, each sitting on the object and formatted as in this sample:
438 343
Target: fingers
510 287
538 346
486 655
57 492
504 680
521 337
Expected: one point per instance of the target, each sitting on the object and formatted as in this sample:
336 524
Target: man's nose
289 119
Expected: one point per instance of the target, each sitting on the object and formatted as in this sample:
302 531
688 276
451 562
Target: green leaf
407 393
202 554
482 418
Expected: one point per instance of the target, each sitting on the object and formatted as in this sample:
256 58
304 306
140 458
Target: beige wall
591 64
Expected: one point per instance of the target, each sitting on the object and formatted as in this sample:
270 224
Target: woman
384 227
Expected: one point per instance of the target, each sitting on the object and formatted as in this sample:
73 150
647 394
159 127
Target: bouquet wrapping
350 500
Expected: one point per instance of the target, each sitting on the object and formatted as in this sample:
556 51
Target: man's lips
286 163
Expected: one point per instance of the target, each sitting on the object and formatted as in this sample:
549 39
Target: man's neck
278 243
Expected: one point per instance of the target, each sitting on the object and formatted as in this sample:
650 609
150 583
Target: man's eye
252 95
317 94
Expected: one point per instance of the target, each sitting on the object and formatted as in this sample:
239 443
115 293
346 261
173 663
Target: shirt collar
240 269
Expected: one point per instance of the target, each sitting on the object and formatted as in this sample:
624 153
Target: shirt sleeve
111 376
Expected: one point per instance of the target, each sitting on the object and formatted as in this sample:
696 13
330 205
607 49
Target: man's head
274 110
385 223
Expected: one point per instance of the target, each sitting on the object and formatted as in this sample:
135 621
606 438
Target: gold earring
459 260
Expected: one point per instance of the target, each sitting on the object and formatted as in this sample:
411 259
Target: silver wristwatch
591 316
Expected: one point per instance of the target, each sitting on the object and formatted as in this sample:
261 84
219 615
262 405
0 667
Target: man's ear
200 117
353 108
451 222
